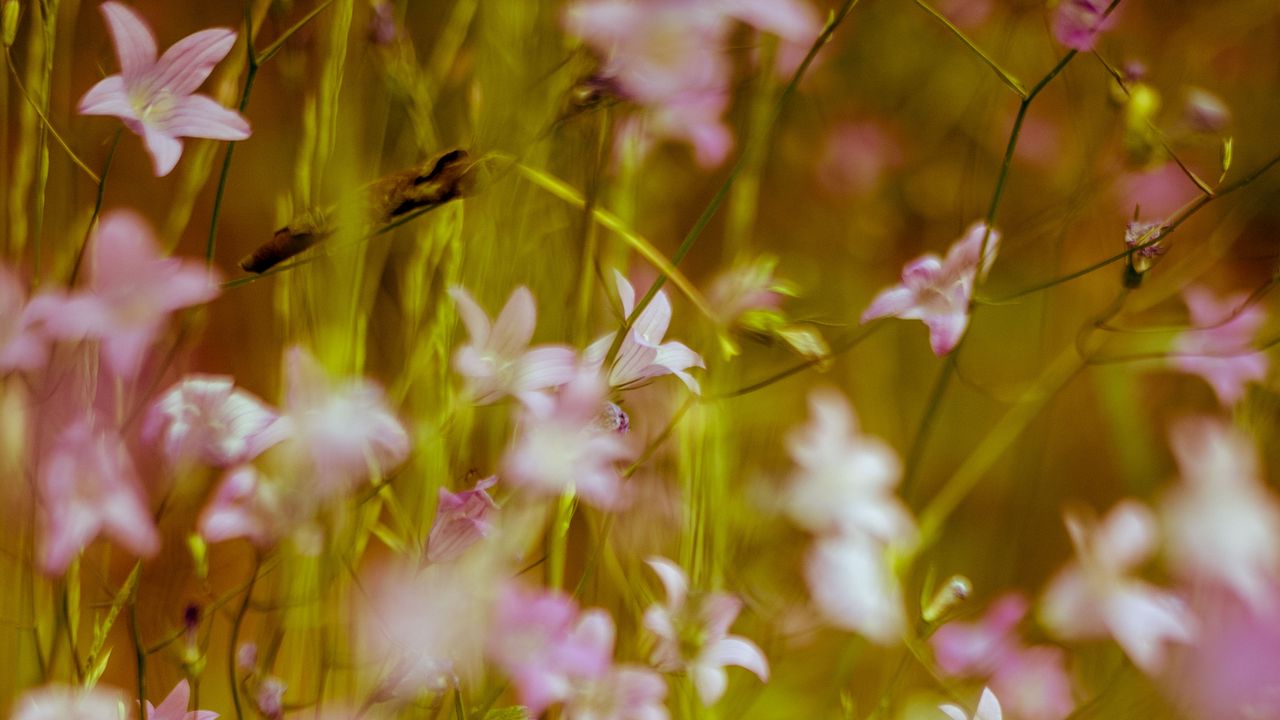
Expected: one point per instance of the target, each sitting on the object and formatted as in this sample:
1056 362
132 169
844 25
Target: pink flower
1034 684
88 486
250 506
462 519
1077 23
174 706
853 586
978 648
341 431
498 361
1095 596
154 97
206 417
63 702
131 291
855 156
623 692
563 447
694 636
988 708
844 480
538 642
642 355
1223 524
938 291
21 346
1220 351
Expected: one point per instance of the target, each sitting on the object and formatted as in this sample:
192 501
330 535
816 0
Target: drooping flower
132 289
88 486
693 634
156 97
498 361
642 355
1077 23
206 417
1219 349
937 291
63 702
622 692
22 347
852 584
175 705
1097 597
988 708
462 519
844 480
562 446
1222 524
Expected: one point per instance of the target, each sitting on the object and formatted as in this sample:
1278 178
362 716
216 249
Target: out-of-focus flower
561 446
855 155
844 480
1156 192
1222 524
642 355
155 97
747 290
1077 23
498 361
383 28
21 346
977 648
693 634
1205 112
270 697
1034 683
937 291
853 586
623 692
207 417
966 14
1097 597
988 708
132 290
537 641
174 706
88 486
342 431
462 519
614 419
246 505
63 702
1217 348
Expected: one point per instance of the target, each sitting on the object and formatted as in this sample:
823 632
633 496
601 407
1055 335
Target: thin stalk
1005 76
45 120
139 651
97 208
234 640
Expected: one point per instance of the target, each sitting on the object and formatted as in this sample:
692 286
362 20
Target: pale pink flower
132 290
853 586
174 706
340 430
1077 23
747 289
693 634
249 505
988 708
537 641
1220 352
22 347
642 355
498 361
844 480
937 291
63 702
1222 524
206 417
1034 683
622 692
562 446
270 697
1097 597
1157 192
855 156
978 648
155 97
88 486
462 519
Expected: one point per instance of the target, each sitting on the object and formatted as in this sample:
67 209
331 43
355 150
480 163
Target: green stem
912 466
97 207
45 120
139 651
234 640
1005 76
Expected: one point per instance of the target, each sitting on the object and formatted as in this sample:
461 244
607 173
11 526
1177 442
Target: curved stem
234 640
97 207
8 58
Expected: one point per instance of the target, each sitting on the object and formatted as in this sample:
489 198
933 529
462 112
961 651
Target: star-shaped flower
642 355
207 417
155 97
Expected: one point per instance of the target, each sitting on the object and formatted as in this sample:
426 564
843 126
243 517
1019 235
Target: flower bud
951 595
1143 239
12 13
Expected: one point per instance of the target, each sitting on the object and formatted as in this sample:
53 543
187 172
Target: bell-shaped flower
1223 526
1219 350
206 417
22 347
498 360
462 519
63 702
1077 23
988 708
1096 596
623 692
132 289
88 486
252 506
563 446
937 291
693 634
852 584
175 705
642 355
155 97
844 480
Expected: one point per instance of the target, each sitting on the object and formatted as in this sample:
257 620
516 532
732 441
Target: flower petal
187 63
473 316
739 651
135 43
513 328
673 580
710 681
201 116
107 97
163 148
